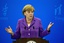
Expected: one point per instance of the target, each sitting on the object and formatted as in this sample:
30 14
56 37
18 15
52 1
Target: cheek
27 15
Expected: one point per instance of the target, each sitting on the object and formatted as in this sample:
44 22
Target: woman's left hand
49 26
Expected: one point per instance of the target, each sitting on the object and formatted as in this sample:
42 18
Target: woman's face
29 14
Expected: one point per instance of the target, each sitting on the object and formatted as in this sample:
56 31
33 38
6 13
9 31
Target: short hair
28 7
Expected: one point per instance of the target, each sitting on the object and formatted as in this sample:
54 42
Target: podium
31 40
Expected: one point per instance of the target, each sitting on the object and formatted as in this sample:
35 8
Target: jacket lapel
33 21
24 22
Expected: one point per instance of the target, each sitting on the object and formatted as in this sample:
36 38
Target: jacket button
28 33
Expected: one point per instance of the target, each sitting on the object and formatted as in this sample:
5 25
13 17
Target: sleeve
42 32
17 33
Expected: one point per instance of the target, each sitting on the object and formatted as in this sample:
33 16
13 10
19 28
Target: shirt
35 30
28 25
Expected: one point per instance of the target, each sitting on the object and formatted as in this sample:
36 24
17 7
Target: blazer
35 30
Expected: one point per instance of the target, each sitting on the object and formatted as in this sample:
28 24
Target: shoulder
20 20
37 19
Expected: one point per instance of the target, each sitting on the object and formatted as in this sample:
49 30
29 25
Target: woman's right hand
9 30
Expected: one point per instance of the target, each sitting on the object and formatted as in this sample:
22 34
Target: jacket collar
25 23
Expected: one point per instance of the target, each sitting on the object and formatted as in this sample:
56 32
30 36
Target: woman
30 26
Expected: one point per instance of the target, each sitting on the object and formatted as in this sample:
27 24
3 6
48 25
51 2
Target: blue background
46 10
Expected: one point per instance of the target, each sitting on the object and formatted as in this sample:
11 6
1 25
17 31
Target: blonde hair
28 7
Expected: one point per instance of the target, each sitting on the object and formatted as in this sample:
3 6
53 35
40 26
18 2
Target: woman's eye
28 11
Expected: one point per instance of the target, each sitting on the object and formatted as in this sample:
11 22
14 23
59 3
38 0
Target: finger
9 27
50 23
6 29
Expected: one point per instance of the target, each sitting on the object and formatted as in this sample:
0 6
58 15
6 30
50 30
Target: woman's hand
9 30
49 26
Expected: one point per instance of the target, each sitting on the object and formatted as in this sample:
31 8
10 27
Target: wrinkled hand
9 30
50 25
